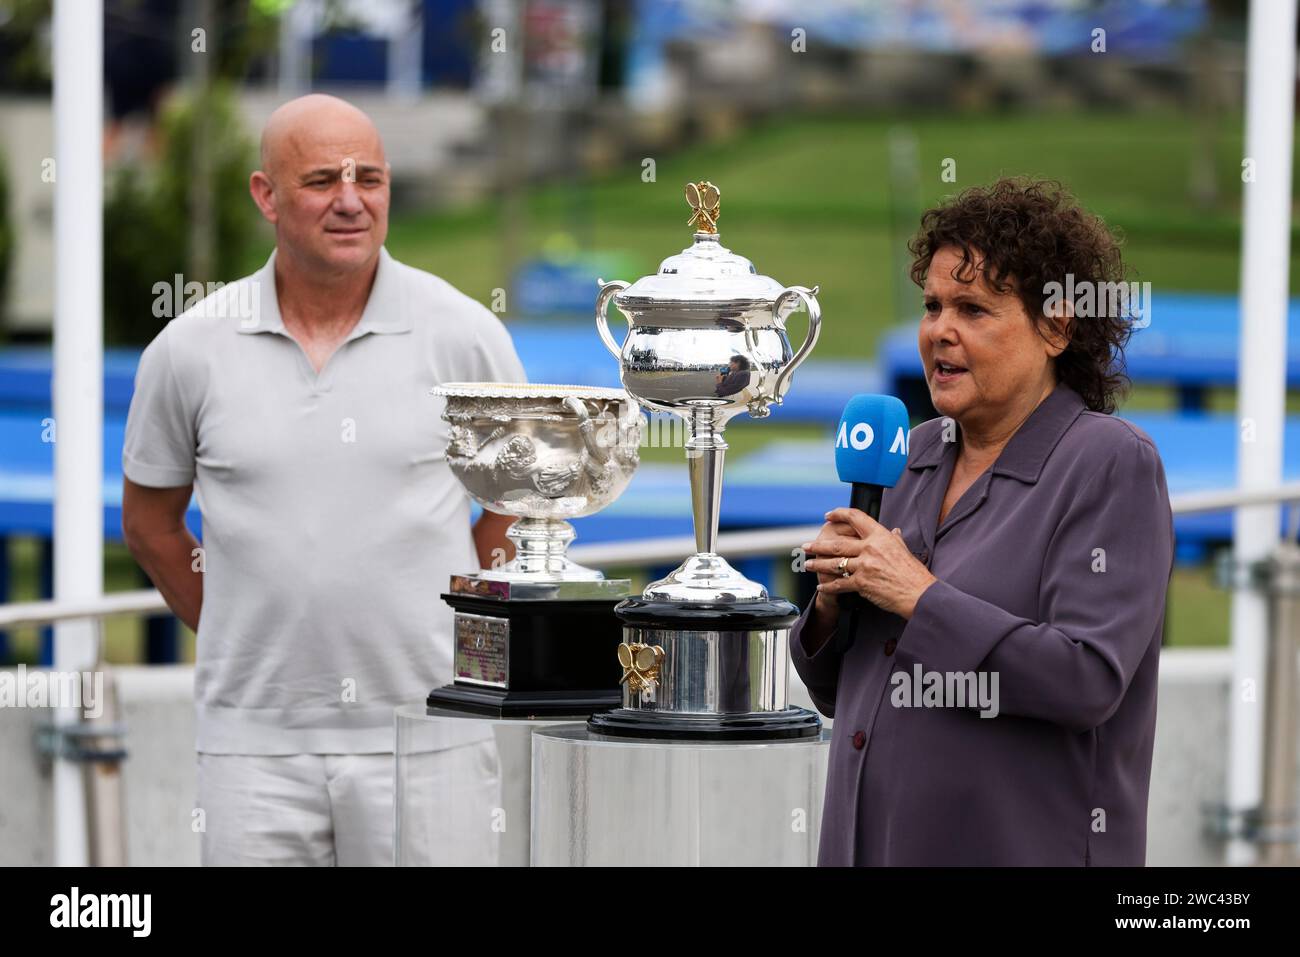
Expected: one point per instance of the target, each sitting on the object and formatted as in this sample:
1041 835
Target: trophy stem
706 452
540 547
706 576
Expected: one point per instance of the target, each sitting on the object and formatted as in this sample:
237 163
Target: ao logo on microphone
861 435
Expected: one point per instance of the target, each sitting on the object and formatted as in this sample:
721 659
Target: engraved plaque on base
482 650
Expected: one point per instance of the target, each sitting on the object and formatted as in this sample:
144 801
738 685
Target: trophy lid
706 272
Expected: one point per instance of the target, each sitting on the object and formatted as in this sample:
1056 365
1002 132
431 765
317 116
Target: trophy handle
587 429
809 297
607 291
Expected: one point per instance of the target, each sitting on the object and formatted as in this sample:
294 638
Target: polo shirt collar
1027 451
385 310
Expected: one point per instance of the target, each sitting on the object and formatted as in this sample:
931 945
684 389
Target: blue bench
785 483
564 353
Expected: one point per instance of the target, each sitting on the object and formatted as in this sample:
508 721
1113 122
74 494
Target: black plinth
707 616
677 616
545 658
494 703
759 726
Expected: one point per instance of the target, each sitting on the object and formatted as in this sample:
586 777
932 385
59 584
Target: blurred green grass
808 200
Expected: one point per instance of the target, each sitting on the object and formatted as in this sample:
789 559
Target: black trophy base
497 703
765 726
674 623
533 658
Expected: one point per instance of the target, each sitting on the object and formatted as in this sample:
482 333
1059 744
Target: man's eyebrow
334 171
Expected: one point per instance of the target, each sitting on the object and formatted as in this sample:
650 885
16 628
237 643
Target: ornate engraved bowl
544 454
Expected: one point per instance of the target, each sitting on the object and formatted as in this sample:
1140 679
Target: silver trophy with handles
705 650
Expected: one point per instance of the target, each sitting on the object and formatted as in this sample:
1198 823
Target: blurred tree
25 45
189 214
145 222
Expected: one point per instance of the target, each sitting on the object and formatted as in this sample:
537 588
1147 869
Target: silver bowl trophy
705 650
537 636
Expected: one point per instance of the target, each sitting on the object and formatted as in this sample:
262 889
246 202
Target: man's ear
262 190
1059 328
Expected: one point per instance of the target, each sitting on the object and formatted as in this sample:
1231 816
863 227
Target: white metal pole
78 371
1261 376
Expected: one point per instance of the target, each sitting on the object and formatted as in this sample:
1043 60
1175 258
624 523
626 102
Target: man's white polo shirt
331 520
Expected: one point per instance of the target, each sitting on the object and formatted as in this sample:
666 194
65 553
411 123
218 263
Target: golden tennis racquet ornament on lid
705 200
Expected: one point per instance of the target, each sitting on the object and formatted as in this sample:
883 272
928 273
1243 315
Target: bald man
296 403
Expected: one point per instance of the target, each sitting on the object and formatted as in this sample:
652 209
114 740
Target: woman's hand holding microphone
854 554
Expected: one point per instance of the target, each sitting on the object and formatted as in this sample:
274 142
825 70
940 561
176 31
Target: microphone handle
865 498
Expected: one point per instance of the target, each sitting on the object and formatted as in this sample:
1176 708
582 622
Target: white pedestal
609 801
461 792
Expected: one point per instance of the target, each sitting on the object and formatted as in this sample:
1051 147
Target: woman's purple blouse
1052 572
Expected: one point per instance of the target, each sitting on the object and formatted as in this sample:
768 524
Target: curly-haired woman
996 702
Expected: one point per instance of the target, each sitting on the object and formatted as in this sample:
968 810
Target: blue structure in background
1152 30
350 57
448 50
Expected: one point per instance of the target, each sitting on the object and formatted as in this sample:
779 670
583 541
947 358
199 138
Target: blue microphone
871 448
870 454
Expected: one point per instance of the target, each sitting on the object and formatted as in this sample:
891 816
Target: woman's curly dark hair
1029 233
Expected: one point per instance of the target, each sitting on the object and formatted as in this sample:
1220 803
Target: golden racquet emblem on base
641 664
